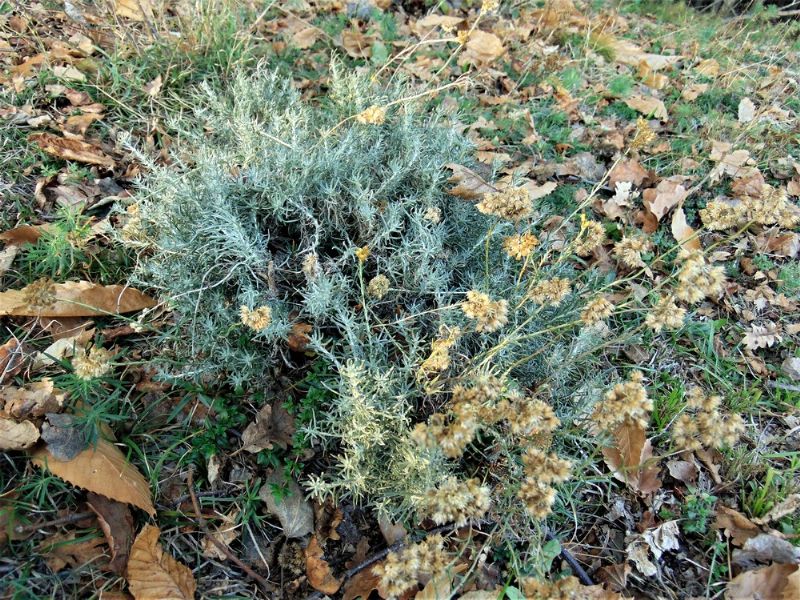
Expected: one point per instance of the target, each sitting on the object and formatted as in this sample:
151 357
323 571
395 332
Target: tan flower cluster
626 402
92 364
530 417
403 570
40 294
439 358
456 502
771 207
374 115
132 230
490 314
512 204
256 319
362 254
550 291
520 246
542 470
596 310
697 279
489 5
629 251
311 267
706 427
378 286
433 214
568 588
665 315
591 236
643 136
469 408
719 215
537 496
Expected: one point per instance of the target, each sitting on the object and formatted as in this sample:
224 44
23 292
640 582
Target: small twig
263 583
783 386
54 523
573 564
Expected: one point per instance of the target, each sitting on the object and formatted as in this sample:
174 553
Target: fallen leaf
306 37
116 522
628 53
318 570
693 90
708 67
735 525
273 426
468 184
425 25
24 234
80 123
103 470
762 336
767 583
225 533
69 73
766 548
668 194
12 359
135 10
648 105
7 257
72 299
60 550
746 110
682 233
153 88
292 509
482 48
663 538
154 575
628 458
392 532
356 44
361 585
32 400
627 170
537 191
440 586
683 470
298 336
17 435
68 149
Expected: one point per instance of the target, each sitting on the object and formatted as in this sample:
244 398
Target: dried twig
263 583
55 523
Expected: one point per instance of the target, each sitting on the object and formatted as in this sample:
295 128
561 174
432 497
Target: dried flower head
697 279
598 309
433 214
40 294
719 215
591 236
439 358
568 588
92 364
643 136
547 468
374 115
490 314
704 426
530 417
550 291
362 254
629 251
256 319
537 496
378 286
520 246
489 5
455 501
512 204
626 402
463 36
665 315
403 570
311 267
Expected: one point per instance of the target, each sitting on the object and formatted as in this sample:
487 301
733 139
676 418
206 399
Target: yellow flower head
362 254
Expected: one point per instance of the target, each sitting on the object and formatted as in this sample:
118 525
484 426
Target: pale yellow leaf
17 435
682 233
155 575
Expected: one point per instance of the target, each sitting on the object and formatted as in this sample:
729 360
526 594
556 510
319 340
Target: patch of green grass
697 510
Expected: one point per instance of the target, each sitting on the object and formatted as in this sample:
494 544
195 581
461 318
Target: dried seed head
92 364
490 314
665 315
374 115
520 246
512 204
378 286
256 319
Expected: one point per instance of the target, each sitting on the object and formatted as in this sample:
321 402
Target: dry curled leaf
775 582
135 10
762 336
482 48
32 400
361 585
72 299
735 525
116 521
103 470
682 233
69 149
630 458
668 194
318 570
468 184
273 426
17 435
155 575
648 106
292 509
